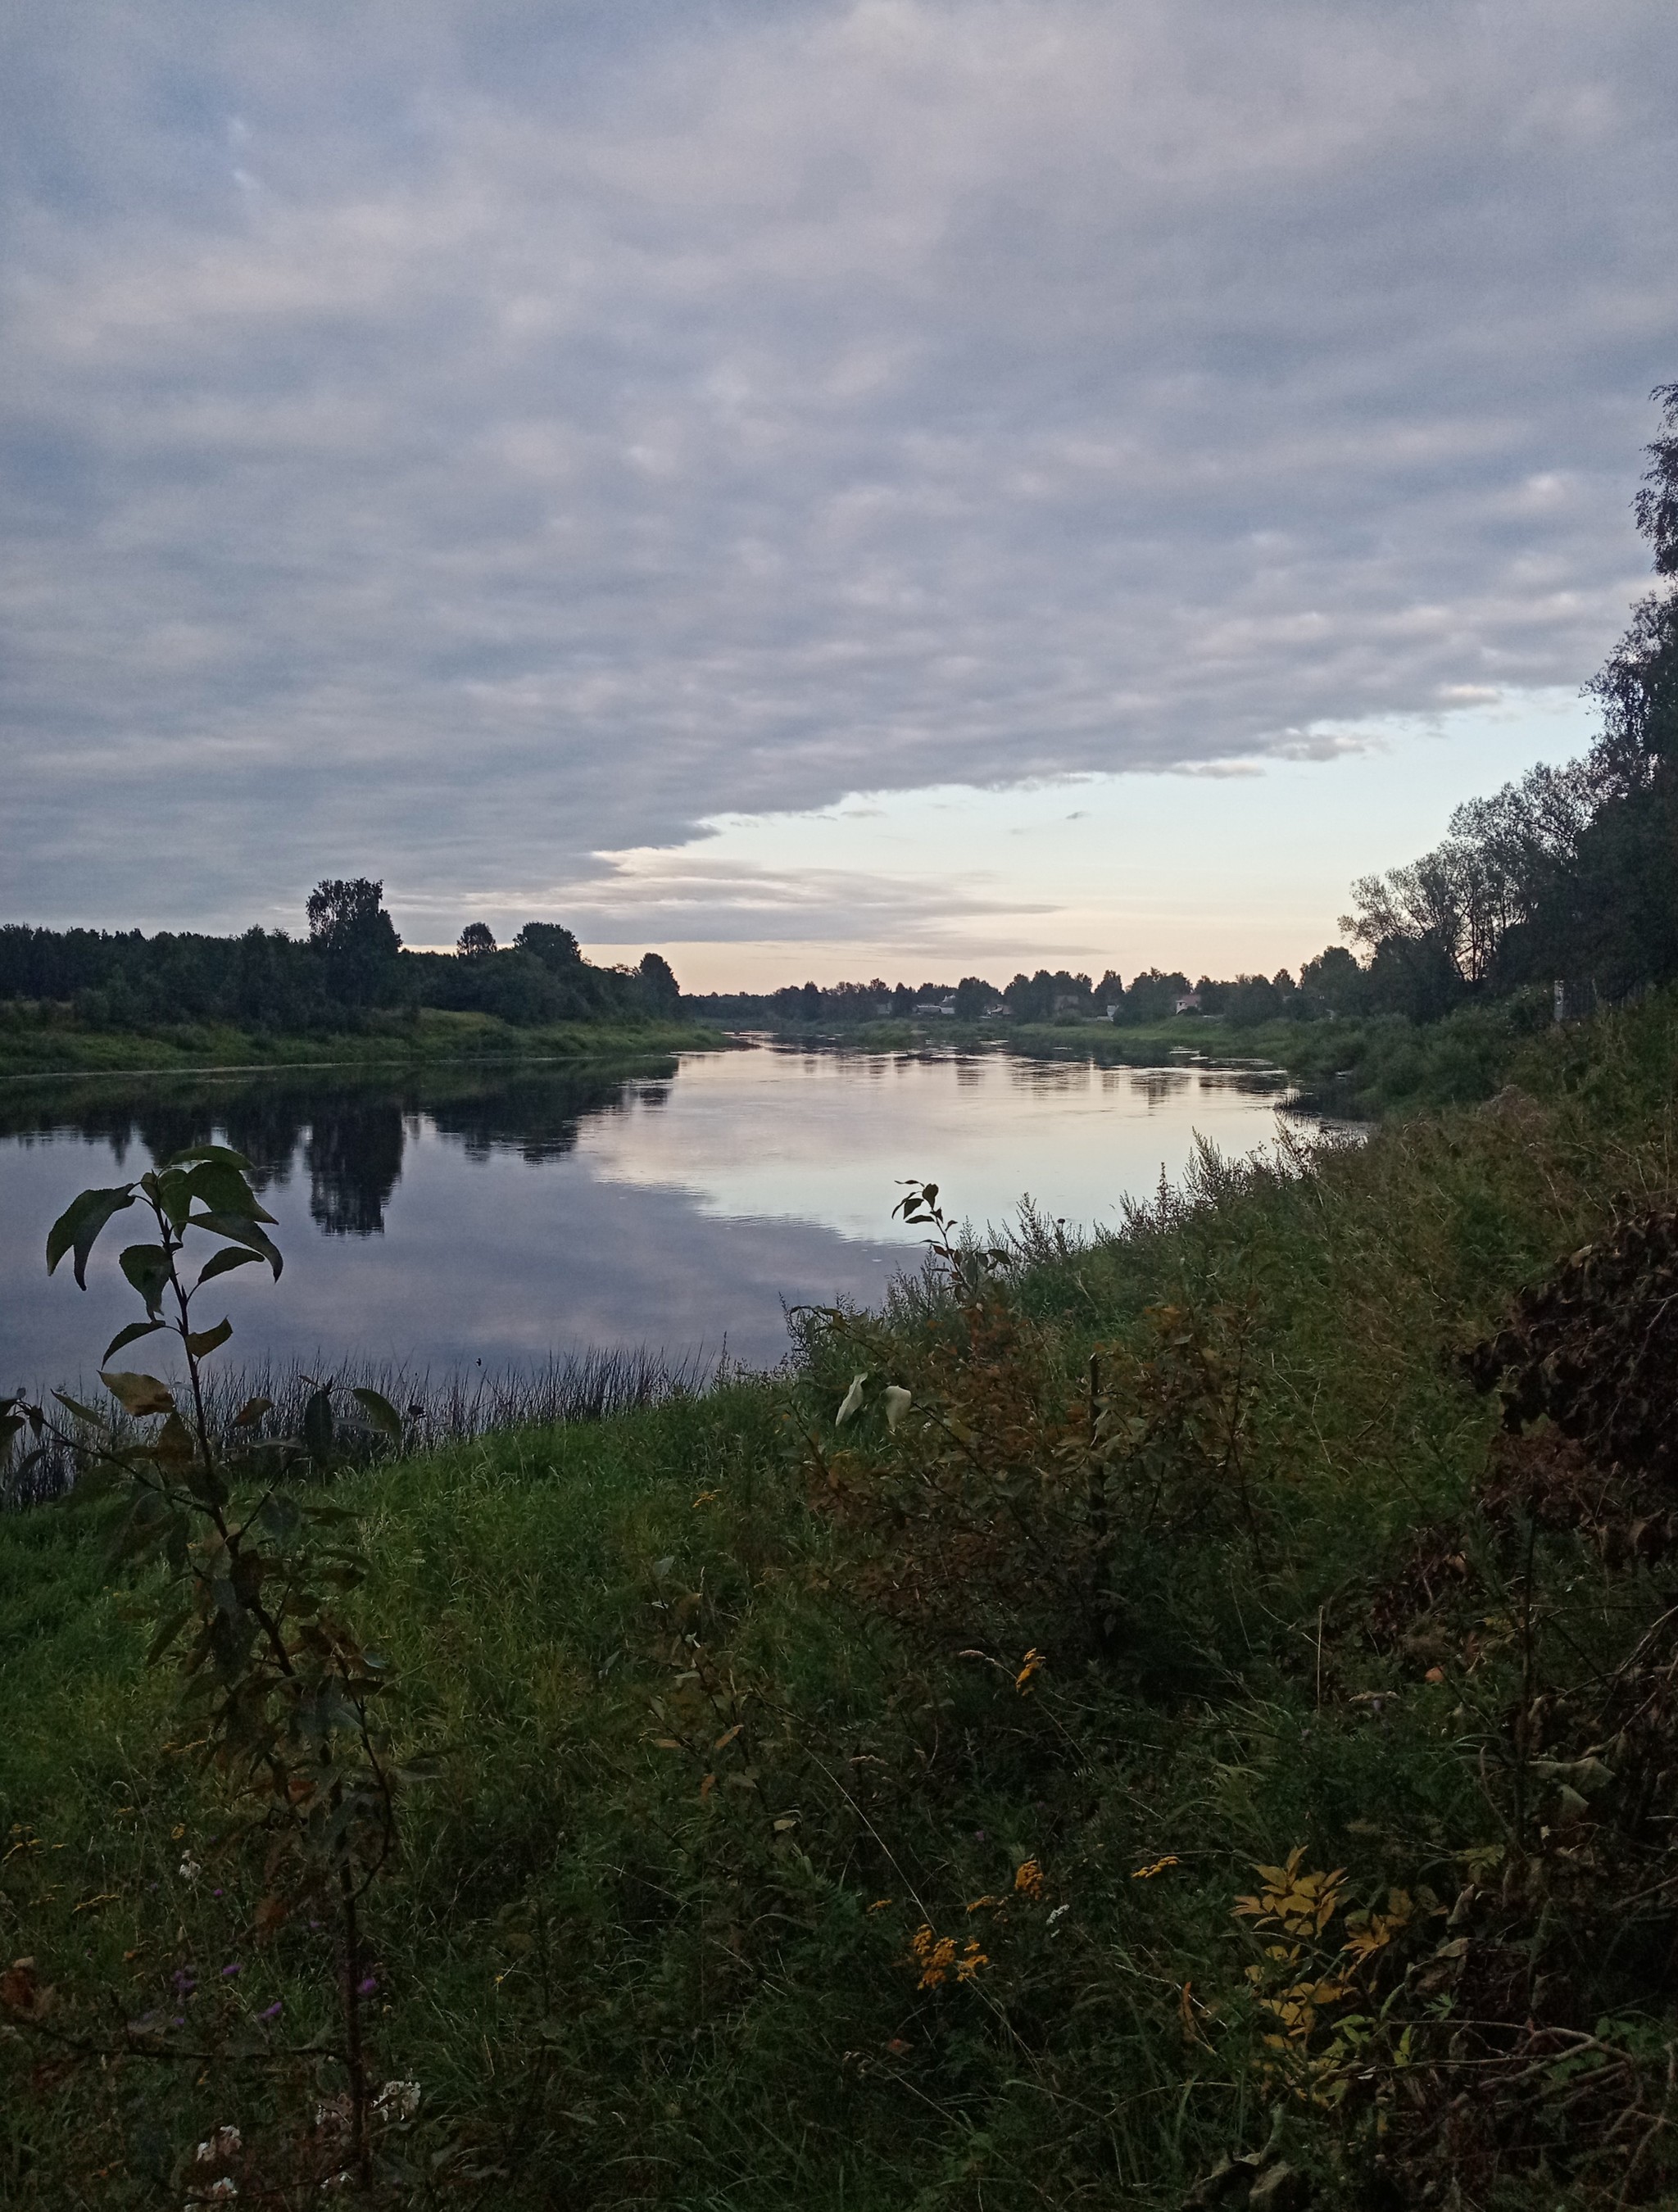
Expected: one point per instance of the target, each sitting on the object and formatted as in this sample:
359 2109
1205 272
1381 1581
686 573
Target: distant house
1186 1002
935 1006
1115 1008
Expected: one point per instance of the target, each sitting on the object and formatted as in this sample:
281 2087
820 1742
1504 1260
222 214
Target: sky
816 487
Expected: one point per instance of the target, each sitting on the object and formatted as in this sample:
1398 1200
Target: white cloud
453 442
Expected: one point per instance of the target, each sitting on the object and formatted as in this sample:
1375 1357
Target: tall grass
654 1938
438 1409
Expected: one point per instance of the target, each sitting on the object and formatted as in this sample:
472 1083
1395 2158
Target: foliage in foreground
1191 1751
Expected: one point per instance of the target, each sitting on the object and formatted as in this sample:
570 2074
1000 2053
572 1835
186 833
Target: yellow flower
935 1954
1147 1873
1028 1878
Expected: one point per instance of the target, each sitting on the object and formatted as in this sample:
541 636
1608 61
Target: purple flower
184 1979
365 1988
272 2010
215 1892
179 2021
229 1971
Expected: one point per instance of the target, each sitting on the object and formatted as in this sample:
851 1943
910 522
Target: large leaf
220 1263
380 1412
225 1153
147 1266
78 1226
223 1189
238 1230
202 1341
132 1334
252 1412
81 1413
173 1191
138 1395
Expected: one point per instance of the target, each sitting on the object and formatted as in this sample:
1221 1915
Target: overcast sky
723 473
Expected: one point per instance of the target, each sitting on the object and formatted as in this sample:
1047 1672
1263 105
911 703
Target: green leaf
173 1191
223 1262
10 1426
202 1341
224 1154
223 1189
252 1412
138 1395
166 1633
78 1226
318 1424
132 1334
146 1267
81 1413
380 1412
237 1231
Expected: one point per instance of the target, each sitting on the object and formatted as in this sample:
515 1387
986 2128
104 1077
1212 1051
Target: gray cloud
453 441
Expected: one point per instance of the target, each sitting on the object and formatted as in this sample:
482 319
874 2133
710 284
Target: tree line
349 966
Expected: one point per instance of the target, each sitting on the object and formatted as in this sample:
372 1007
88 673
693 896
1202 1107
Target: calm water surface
505 1213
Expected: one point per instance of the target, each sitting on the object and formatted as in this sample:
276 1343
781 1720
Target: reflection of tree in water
355 1124
354 1155
539 1116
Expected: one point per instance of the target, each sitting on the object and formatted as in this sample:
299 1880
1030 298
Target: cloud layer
455 439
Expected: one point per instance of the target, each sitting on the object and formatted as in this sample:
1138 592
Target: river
500 1214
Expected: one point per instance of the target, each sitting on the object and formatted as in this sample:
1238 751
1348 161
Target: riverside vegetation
83 1000
1178 1718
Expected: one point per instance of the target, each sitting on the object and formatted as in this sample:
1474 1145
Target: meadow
40 1038
1199 1729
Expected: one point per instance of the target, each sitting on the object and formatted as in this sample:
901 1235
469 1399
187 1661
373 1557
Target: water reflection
499 1213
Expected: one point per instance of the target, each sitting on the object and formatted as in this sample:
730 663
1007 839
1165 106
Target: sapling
283 1693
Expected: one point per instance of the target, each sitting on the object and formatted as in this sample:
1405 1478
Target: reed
440 1406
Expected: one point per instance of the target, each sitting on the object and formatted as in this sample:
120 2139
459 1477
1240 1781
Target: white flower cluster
397 2101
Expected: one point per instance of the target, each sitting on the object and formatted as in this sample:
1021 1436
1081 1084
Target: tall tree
348 925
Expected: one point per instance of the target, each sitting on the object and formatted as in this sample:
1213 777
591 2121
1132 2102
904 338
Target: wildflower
190 1869
1033 1661
398 2100
706 1498
367 1985
879 1904
851 1401
1028 1878
273 2011
980 1902
1159 1866
934 1954
222 2144
971 1961
897 1403
228 1973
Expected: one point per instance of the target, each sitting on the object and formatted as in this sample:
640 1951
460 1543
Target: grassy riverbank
859 1819
1358 1068
36 1040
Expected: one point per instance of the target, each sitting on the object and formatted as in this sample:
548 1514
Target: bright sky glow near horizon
826 487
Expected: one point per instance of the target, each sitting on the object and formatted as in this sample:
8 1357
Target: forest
351 964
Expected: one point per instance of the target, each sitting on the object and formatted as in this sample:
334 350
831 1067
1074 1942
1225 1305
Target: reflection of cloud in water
503 1212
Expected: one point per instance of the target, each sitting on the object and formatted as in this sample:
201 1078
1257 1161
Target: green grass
33 1046
1357 1068
620 1982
